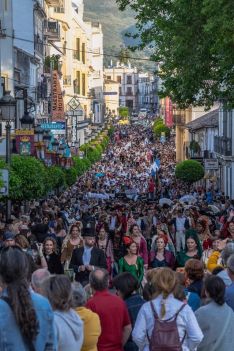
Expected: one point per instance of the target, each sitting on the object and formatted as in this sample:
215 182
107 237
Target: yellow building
74 62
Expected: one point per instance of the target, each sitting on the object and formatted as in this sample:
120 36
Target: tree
70 175
55 177
32 175
194 42
124 56
189 171
123 112
161 128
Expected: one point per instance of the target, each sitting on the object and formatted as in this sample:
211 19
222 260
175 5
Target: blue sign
54 126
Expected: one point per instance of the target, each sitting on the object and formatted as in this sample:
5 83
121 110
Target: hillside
115 23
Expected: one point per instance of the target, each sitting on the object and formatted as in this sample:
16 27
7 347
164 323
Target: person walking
112 311
165 308
68 325
216 319
26 318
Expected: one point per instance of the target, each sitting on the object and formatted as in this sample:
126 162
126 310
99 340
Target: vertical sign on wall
57 98
168 112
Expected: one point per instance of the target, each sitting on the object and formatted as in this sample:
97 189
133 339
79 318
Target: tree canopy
193 40
189 171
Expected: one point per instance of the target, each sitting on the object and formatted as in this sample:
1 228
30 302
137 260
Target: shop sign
54 126
57 98
211 164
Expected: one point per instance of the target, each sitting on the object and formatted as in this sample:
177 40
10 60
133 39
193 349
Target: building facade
224 150
111 95
127 77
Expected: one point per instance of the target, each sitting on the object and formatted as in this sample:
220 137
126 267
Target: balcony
67 80
38 44
52 30
179 120
223 145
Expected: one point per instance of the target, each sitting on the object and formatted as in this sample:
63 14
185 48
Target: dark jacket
134 303
98 259
54 263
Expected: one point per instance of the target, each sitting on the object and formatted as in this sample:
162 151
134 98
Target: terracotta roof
208 120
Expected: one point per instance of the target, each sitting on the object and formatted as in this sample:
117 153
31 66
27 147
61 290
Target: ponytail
23 309
14 268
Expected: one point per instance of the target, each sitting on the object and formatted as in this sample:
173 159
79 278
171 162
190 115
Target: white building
127 77
96 76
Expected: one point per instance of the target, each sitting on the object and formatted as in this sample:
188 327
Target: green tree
189 171
55 177
70 175
194 42
124 55
161 128
32 175
123 112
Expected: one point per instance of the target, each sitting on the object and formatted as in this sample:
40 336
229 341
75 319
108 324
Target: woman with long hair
165 307
137 237
104 242
52 257
161 257
26 318
71 242
132 262
216 319
68 325
192 249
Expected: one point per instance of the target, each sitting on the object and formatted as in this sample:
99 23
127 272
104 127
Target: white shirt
186 322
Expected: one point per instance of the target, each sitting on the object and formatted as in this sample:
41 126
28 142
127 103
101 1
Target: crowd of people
128 258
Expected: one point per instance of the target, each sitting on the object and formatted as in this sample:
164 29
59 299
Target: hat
89 229
8 236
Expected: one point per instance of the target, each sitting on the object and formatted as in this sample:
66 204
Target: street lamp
7 114
38 134
27 120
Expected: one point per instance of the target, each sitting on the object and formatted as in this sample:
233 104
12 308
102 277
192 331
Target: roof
208 120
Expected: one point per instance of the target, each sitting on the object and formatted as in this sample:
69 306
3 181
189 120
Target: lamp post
38 139
27 120
7 114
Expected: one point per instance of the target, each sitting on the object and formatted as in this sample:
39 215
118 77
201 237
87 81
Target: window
83 53
129 79
120 91
59 10
109 77
129 91
119 79
83 84
76 53
77 83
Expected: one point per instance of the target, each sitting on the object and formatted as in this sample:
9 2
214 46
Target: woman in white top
166 306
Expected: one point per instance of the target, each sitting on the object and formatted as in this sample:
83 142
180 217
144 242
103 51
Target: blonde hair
163 282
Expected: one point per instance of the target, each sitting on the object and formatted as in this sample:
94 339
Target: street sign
211 164
54 125
4 174
74 103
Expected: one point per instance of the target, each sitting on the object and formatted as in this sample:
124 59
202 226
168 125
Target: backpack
165 335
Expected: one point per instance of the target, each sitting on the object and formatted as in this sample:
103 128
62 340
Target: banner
24 142
57 98
168 112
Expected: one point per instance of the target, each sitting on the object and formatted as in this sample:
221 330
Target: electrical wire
81 51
